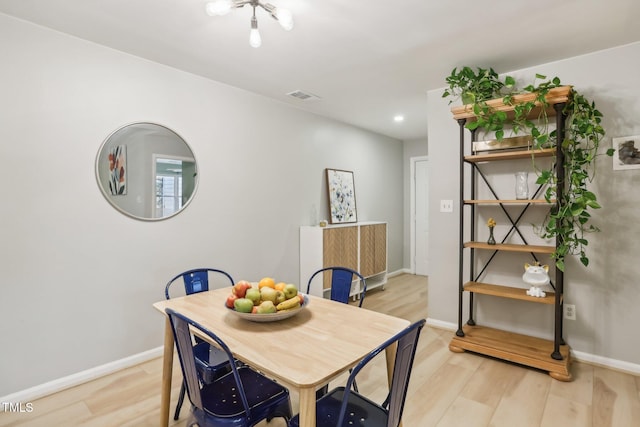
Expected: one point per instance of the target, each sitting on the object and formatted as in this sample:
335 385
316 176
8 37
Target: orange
266 281
280 286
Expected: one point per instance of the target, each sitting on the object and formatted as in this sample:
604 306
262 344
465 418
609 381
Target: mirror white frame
146 171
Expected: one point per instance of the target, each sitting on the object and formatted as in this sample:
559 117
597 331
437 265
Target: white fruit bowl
273 317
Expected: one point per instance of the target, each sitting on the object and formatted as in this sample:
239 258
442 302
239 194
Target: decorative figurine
536 275
491 223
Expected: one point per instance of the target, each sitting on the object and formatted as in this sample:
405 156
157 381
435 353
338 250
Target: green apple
266 307
254 295
268 294
290 291
243 305
280 297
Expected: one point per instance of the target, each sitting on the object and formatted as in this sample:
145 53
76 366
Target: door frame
412 208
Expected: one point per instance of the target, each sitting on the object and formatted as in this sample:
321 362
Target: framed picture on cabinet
626 155
342 196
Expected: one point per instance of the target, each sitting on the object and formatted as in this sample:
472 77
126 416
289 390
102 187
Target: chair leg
183 389
355 385
322 391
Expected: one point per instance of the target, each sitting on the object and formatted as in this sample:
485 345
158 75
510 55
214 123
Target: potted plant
569 220
473 86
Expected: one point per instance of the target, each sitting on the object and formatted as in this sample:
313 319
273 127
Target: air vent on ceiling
304 96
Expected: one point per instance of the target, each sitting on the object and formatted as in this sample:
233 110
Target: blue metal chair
341 279
342 407
241 398
211 363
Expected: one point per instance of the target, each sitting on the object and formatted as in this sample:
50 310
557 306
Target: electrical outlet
446 206
570 311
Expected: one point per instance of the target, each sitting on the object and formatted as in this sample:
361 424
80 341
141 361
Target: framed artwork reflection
342 196
118 170
626 154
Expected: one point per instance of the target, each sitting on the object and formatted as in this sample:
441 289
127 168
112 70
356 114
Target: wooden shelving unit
517 348
551 355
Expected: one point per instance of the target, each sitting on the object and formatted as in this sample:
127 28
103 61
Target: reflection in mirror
146 171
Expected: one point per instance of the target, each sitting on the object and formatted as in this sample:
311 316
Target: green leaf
472 125
509 81
593 204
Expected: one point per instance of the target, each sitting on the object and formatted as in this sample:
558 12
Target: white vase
522 189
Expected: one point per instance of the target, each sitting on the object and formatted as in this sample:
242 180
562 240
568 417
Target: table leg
167 372
307 407
390 353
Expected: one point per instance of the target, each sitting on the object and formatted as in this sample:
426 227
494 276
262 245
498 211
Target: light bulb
218 7
285 19
254 36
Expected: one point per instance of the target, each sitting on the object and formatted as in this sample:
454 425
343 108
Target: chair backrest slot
341 280
197 280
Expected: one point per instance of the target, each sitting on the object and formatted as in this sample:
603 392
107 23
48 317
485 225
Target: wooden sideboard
359 246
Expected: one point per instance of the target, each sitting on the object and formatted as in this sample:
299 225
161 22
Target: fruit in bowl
290 291
254 295
240 288
266 307
268 294
243 305
266 302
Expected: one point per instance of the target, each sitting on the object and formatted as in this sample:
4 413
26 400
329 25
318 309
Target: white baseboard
618 365
399 272
441 324
72 380
580 356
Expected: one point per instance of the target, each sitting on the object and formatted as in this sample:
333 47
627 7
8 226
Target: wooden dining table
303 352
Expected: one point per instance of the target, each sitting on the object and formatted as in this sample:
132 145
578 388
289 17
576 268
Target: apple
230 300
254 295
266 307
240 288
280 297
243 305
268 294
290 291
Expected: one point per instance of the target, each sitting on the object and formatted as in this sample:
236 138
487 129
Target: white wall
606 294
78 277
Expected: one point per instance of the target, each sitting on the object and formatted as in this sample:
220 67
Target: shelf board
511 247
509 202
510 155
508 292
554 96
517 348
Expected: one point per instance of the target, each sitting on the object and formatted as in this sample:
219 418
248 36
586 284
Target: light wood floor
446 389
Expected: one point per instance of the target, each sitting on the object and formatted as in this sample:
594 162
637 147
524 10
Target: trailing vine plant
569 220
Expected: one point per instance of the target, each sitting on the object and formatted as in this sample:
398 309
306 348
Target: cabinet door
340 248
373 249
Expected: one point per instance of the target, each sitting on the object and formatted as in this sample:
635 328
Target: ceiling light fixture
222 7
399 118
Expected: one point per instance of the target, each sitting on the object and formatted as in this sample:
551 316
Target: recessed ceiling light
398 119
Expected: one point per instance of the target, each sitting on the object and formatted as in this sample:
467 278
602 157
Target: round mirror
146 171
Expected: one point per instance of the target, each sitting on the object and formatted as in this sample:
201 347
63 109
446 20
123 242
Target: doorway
420 215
